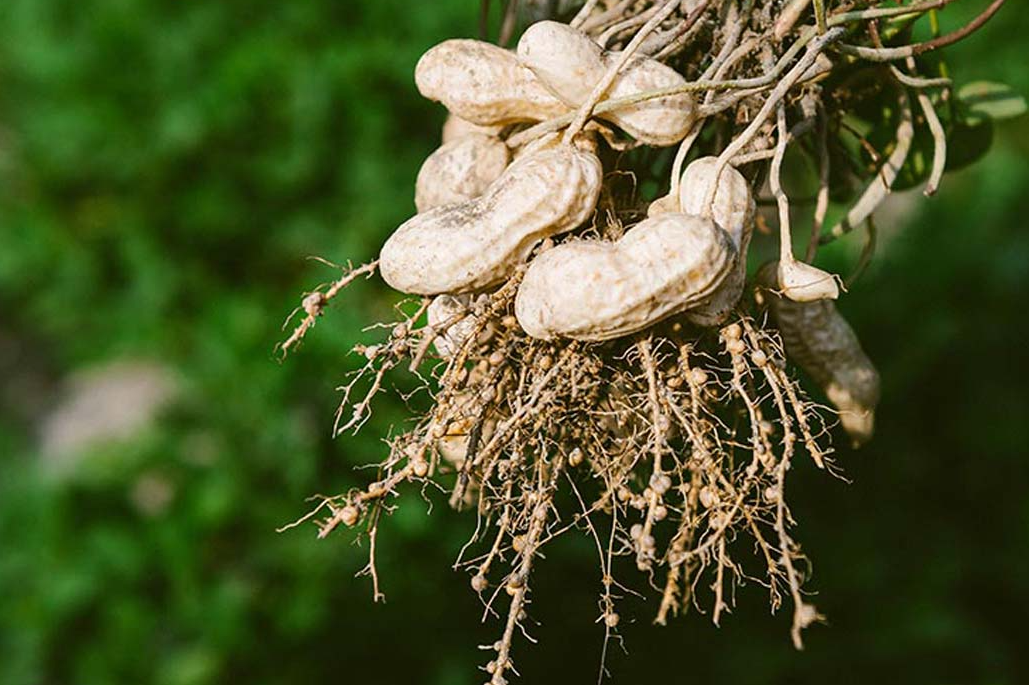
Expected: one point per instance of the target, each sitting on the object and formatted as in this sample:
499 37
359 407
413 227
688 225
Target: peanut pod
733 210
802 282
666 204
593 290
460 170
478 243
453 445
452 318
455 128
570 64
819 340
484 84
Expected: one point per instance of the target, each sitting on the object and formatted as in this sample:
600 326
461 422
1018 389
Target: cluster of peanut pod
604 359
490 211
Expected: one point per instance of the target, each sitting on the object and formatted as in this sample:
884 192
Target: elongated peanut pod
476 244
733 211
570 64
484 84
593 290
459 171
823 344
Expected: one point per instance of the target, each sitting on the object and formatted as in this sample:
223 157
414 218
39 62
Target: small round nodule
350 515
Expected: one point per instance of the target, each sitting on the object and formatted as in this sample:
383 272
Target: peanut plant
601 355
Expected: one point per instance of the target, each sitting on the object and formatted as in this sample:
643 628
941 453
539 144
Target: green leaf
967 144
983 100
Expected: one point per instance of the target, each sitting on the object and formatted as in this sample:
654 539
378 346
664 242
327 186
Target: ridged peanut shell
733 210
451 317
570 64
455 128
594 290
460 170
803 282
821 342
478 243
666 204
484 84
453 446
659 122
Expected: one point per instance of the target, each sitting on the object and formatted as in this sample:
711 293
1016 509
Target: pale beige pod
570 64
663 205
453 445
732 209
823 344
455 128
803 282
659 122
593 290
565 60
452 318
460 170
484 84
478 243
586 141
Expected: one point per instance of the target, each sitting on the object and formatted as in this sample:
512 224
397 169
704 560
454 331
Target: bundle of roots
669 443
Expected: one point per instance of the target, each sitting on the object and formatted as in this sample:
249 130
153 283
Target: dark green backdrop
165 169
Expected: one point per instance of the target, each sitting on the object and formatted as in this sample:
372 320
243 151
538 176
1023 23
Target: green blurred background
166 170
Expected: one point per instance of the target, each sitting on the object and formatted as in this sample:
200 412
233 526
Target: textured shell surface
460 170
484 84
453 446
659 122
663 205
819 340
594 290
455 128
733 206
451 316
570 64
478 243
802 282
732 209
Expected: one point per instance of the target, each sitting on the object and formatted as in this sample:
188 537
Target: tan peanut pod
453 445
586 141
593 290
733 210
455 128
802 282
459 171
452 318
821 342
478 243
570 64
665 204
484 84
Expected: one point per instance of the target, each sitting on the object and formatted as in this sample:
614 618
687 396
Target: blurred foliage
167 168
